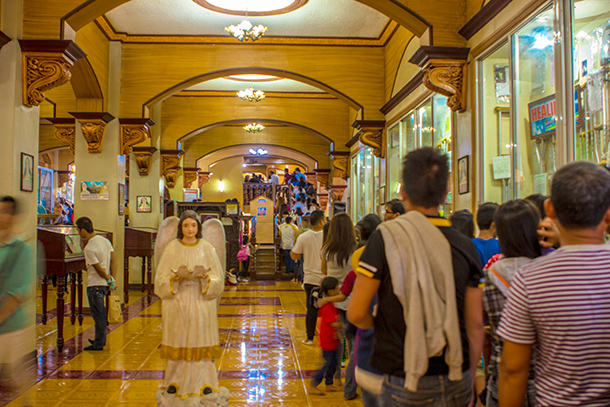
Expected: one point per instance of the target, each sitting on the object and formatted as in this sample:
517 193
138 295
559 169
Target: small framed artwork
144 203
121 199
27 172
463 175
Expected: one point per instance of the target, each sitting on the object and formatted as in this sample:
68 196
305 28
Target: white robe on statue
190 327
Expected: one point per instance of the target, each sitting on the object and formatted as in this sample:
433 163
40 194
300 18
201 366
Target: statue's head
186 222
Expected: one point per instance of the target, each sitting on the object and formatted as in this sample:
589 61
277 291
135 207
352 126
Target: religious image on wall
93 190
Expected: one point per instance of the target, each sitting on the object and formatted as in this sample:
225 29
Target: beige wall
230 172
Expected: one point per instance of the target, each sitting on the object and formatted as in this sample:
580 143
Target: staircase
264 263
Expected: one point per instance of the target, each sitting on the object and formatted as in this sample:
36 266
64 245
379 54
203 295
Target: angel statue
189 279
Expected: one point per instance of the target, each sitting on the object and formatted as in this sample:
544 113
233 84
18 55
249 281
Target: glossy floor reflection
263 362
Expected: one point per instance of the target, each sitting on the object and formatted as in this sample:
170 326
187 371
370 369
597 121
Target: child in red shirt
329 341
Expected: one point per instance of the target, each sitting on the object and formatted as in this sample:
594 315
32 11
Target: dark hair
308 202
10 200
189 215
463 221
271 172
425 176
245 239
329 283
341 240
538 201
580 193
367 226
285 212
516 225
316 217
288 219
85 224
485 215
297 169
299 212
396 206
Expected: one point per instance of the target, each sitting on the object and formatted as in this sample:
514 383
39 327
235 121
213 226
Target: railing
254 190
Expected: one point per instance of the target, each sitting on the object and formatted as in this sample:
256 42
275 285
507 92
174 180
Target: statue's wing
214 233
166 233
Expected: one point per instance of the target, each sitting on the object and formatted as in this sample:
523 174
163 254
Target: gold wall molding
110 32
323 176
143 157
445 72
170 165
370 133
203 177
134 131
190 175
45 64
340 166
65 130
93 127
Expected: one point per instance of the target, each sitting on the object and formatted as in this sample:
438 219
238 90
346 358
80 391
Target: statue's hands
200 272
181 274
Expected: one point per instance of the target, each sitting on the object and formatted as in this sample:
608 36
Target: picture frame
542 116
144 203
121 199
463 165
27 173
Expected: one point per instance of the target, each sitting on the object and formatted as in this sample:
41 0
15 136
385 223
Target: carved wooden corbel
45 64
93 127
202 178
170 165
336 192
312 178
323 176
323 200
190 175
144 157
133 131
370 133
65 130
340 167
63 176
445 72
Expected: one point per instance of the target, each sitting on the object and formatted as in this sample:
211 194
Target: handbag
115 313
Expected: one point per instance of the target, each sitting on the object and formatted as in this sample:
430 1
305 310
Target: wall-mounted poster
463 175
94 190
143 203
261 211
543 120
27 172
121 199
232 209
190 195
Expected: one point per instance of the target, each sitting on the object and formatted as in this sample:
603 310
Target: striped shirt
561 304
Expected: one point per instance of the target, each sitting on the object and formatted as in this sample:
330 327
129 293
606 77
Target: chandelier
245 31
251 95
258 151
254 128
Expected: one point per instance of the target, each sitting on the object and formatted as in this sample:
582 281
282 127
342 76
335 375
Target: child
329 341
247 248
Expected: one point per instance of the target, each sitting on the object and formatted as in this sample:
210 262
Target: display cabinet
63 252
140 242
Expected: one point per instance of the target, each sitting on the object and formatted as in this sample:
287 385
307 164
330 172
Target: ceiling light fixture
245 31
251 95
254 128
258 151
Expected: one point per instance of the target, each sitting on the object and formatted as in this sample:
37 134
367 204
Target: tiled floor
263 362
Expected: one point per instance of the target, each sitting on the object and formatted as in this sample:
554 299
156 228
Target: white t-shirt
274 179
287 232
309 244
98 250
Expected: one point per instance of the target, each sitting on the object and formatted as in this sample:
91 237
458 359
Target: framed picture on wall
463 175
27 172
121 199
143 203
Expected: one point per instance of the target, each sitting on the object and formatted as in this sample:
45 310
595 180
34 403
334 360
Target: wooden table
139 242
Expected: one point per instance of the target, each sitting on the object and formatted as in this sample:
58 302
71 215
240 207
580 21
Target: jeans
492 393
328 369
288 260
432 391
369 399
349 391
97 297
312 313
245 265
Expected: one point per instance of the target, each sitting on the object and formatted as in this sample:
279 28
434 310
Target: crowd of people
431 314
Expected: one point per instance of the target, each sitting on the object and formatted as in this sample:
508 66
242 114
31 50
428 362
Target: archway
241 150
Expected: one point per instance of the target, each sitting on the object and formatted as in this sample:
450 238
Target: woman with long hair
516 227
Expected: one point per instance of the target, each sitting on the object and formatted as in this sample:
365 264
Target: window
365 183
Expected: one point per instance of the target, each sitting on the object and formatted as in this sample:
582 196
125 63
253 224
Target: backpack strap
502 279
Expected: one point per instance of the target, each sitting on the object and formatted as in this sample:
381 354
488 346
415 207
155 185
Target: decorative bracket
93 127
46 64
323 200
133 131
340 159
312 178
65 130
370 133
445 72
4 39
336 192
190 175
143 158
323 177
170 165
203 177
